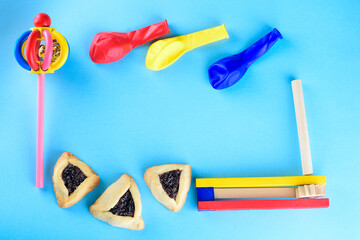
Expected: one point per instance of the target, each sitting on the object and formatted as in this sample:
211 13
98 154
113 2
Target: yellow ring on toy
64 50
23 49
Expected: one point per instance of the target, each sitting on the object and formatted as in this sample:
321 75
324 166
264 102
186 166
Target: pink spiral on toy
48 50
31 45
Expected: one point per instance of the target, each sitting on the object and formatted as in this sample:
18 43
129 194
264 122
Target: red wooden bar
263 204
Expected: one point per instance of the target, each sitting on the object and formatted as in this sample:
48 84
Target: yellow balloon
165 52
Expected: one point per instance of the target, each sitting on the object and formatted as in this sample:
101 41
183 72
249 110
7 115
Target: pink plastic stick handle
40 132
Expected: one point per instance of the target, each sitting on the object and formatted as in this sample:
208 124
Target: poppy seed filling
125 206
72 177
170 182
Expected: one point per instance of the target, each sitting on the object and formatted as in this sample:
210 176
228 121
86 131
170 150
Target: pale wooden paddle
304 143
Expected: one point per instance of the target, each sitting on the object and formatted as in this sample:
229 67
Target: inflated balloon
108 47
228 71
165 52
37 58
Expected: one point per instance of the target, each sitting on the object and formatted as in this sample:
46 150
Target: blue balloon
229 70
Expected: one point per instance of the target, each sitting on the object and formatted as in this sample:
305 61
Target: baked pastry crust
91 181
101 208
152 179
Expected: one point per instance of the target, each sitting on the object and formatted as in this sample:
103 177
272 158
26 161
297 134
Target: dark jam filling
170 182
125 206
72 177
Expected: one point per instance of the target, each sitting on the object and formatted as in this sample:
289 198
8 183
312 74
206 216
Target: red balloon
109 47
42 20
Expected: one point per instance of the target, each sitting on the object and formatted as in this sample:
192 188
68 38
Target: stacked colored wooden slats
289 193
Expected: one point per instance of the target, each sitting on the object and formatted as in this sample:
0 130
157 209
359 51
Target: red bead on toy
42 20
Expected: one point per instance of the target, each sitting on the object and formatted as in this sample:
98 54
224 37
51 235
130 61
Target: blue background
123 118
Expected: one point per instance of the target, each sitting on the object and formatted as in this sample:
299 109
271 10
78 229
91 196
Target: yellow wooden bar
260 181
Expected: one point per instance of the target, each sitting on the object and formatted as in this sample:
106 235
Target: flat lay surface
122 118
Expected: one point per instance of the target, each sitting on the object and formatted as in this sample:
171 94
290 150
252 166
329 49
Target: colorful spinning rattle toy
40 58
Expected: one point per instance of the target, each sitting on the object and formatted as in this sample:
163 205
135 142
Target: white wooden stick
306 191
224 193
302 127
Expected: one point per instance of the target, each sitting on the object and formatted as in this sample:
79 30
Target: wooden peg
310 191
